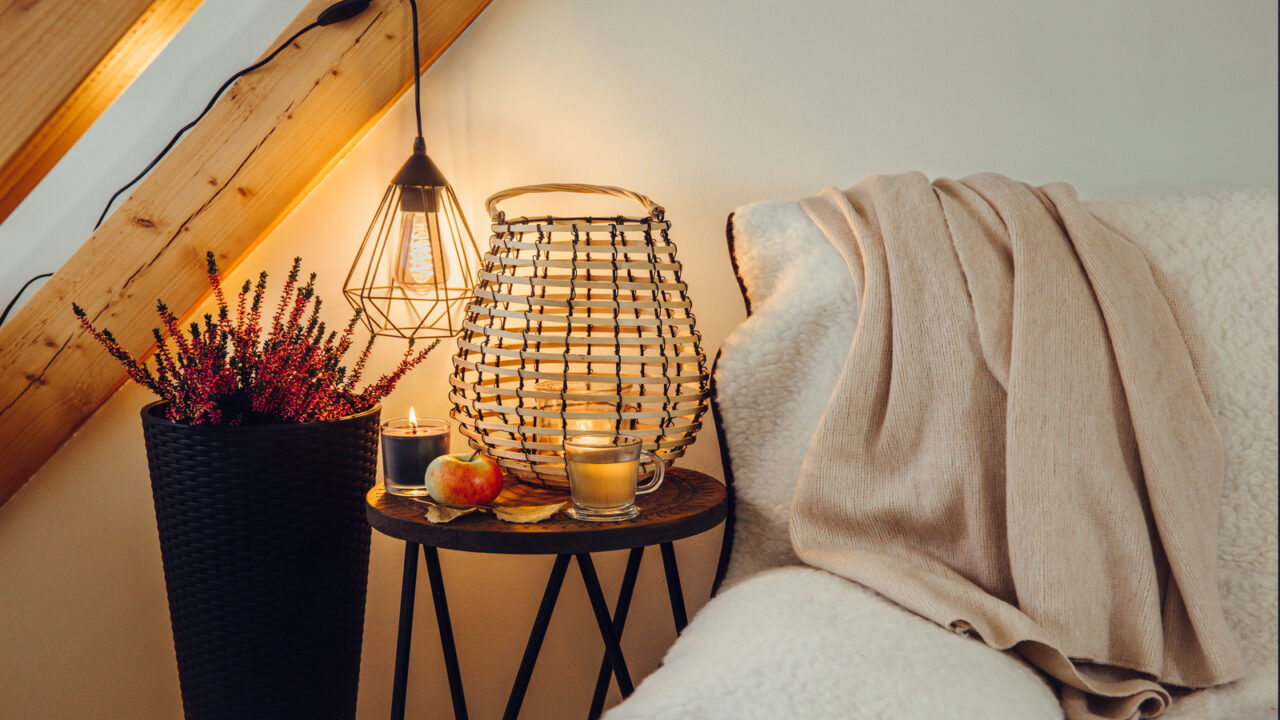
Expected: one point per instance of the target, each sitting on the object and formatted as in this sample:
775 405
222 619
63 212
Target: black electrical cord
209 106
21 290
337 12
417 69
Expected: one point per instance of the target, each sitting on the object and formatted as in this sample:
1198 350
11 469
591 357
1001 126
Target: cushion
802 643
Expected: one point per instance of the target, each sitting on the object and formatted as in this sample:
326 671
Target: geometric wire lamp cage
413 274
578 325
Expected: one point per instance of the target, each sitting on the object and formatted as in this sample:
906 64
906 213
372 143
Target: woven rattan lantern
579 324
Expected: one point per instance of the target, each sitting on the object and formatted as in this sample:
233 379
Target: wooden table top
687 503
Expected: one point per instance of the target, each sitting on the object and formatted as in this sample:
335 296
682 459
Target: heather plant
225 372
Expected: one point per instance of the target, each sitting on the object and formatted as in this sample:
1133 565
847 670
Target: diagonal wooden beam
224 187
61 64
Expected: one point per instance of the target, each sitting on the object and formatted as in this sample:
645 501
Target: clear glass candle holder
597 400
408 447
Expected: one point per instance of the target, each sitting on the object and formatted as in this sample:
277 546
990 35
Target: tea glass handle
656 480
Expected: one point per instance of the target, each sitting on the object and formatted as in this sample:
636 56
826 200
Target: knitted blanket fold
1022 443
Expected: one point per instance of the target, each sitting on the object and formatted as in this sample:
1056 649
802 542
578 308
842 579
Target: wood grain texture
273 136
62 63
687 503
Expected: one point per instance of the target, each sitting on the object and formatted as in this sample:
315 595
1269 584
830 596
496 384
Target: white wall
704 106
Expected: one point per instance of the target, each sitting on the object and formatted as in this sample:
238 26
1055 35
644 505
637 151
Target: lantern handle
491 205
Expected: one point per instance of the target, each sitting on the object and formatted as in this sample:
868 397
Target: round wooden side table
686 504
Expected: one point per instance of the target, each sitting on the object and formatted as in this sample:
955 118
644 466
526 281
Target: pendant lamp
413 274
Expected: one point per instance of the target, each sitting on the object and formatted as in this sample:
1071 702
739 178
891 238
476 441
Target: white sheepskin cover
800 643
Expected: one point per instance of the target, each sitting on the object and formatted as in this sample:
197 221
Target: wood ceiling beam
228 183
61 64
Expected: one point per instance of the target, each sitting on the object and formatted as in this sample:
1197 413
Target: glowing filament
421 265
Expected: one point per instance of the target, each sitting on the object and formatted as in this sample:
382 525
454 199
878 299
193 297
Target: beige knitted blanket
1022 443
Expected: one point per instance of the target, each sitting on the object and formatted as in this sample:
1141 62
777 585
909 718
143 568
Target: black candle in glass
408 447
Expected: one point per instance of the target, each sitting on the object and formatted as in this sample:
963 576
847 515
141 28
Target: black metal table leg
673 587
408 584
536 635
612 649
619 622
432 556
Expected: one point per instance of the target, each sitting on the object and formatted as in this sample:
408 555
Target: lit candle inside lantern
607 409
408 447
598 424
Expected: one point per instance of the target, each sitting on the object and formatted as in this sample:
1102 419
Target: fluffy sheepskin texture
797 642
802 643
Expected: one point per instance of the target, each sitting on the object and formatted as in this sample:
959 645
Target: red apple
464 479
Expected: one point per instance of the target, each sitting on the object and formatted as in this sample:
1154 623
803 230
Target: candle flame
413 420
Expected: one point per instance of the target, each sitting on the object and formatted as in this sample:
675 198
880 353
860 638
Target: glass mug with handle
604 473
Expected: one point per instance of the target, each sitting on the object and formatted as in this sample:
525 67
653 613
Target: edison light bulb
420 259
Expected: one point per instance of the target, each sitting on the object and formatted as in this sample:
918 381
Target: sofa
781 640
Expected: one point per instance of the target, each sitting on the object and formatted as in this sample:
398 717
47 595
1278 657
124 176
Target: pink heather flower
225 372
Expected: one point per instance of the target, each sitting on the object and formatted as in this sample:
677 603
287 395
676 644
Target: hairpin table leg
451 668
536 636
673 587
619 622
612 649
404 634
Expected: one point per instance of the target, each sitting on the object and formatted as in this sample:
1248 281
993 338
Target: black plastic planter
266 559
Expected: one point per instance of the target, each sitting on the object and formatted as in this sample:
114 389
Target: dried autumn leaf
441 514
527 513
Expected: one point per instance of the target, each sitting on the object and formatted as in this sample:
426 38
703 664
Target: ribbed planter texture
266 558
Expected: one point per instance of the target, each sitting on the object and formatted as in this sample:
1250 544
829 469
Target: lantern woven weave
579 325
